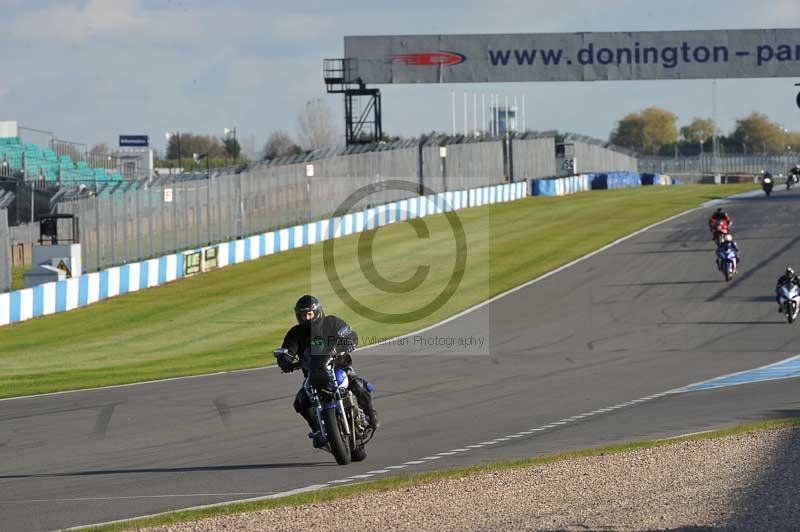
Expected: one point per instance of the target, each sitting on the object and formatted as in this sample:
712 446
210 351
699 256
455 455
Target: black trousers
302 404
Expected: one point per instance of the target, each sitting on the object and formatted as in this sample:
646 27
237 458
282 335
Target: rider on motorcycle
788 277
298 341
727 243
793 176
718 216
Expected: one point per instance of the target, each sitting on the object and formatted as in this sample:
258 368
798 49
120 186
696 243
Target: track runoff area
641 339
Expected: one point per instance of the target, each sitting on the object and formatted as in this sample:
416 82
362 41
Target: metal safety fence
5 242
724 164
140 220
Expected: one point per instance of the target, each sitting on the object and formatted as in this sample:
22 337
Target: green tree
629 132
700 130
278 144
660 129
100 149
756 133
646 131
792 142
189 143
232 147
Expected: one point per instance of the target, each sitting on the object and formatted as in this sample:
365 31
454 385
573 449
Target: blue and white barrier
657 179
614 180
560 186
90 288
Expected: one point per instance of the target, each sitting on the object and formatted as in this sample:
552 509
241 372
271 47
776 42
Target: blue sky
91 70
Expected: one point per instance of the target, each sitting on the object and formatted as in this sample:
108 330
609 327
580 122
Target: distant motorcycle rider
717 216
793 176
298 341
788 277
727 244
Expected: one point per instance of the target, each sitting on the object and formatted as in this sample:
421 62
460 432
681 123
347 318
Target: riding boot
361 389
306 413
315 435
365 402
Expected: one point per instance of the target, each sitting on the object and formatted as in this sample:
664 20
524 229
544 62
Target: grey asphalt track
645 316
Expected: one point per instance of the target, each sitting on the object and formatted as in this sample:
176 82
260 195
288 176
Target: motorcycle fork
343 412
317 408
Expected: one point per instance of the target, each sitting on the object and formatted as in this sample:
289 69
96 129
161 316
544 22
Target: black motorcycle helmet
306 304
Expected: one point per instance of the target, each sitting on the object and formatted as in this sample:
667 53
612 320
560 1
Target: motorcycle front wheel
340 446
358 455
789 312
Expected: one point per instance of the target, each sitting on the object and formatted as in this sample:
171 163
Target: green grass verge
231 318
330 494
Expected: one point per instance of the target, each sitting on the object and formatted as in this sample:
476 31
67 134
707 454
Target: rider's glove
285 363
349 347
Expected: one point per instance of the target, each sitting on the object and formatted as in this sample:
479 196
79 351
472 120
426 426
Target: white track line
420 331
558 424
686 435
279 495
127 497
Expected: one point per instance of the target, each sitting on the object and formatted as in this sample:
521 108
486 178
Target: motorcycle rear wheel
340 446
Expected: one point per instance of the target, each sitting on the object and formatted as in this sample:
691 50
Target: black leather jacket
321 333
783 279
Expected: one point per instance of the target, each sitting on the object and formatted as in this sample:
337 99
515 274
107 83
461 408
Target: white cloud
115 20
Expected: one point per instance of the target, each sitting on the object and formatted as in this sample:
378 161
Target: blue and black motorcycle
343 425
726 259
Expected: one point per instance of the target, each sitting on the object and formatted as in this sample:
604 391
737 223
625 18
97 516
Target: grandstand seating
46 163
